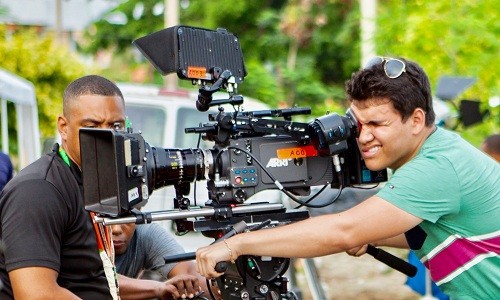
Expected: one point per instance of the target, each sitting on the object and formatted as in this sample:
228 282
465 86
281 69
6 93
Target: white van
161 116
21 93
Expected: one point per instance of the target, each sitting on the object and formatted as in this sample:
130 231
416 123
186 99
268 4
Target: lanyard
64 156
104 239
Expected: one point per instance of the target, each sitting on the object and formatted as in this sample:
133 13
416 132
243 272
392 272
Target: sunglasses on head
393 67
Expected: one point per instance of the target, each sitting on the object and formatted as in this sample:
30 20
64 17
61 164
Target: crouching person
143 248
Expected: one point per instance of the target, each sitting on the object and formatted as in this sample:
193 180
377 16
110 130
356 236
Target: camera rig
254 151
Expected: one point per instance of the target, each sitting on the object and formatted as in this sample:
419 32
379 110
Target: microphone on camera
205 93
204 100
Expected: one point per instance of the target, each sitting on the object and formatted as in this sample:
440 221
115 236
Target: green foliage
50 67
458 38
104 35
261 84
301 52
324 58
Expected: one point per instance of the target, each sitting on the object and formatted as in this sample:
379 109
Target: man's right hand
357 251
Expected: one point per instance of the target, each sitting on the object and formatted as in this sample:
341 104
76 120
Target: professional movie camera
254 151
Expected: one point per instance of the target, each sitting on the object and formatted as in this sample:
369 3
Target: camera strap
106 251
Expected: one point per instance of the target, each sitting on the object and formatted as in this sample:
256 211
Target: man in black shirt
53 250
50 244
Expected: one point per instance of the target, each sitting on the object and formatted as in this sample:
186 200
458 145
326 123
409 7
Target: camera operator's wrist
158 291
232 258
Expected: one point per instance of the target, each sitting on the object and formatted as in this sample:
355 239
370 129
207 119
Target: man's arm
131 288
398 241
37 283
372 220
179 286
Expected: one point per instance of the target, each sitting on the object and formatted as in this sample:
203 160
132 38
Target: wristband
230 251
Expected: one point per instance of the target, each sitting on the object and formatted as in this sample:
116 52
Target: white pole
58 22
368 28
171 18
5 132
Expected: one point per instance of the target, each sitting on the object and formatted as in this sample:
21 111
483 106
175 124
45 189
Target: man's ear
418 119
62 127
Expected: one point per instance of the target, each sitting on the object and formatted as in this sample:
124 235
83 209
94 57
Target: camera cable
280 186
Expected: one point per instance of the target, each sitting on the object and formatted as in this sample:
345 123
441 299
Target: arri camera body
254 151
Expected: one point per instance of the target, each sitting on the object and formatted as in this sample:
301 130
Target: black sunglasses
393 67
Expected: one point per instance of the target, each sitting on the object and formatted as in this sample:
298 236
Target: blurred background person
491 146
6 169
140 252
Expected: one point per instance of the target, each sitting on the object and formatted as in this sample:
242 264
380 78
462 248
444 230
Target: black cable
307 204
278 184
364 188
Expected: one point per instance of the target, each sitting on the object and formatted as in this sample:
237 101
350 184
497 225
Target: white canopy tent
21 92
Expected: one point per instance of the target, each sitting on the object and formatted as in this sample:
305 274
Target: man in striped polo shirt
444 193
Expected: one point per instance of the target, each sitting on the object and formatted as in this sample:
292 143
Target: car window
190 117
150 120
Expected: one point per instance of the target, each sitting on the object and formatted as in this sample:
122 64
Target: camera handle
220 266
392 261
239 227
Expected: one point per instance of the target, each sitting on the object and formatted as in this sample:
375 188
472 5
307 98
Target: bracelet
230 251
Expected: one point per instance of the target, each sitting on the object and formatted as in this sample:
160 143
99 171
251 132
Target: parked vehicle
21 93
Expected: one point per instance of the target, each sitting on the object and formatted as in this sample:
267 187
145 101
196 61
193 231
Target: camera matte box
192 52
106 156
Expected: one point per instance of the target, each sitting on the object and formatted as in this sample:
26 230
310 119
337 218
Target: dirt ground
361 278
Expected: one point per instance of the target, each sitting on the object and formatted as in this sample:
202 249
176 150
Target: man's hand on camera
179 287
357 251
208 257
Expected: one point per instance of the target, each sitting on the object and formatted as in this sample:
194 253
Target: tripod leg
291 296
313 281
291 274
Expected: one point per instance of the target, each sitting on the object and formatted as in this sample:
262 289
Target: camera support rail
139 217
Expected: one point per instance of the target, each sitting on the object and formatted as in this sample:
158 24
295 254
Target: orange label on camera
197 72
297 152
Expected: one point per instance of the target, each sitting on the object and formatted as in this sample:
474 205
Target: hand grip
392 261
221 266
179 257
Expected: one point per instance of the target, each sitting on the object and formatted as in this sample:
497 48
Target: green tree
301 52
281 71
49 66
458 38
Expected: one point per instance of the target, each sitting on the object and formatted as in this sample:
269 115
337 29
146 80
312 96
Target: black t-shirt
44 224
